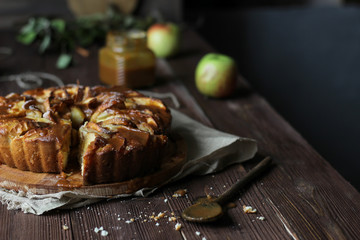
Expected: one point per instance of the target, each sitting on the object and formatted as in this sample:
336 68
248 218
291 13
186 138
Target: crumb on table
179 193
249 209
177 226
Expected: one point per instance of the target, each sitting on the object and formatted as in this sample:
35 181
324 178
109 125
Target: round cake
115 133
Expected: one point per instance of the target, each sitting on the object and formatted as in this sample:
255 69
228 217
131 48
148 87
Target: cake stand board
47 183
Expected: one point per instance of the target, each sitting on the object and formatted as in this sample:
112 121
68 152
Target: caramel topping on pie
115 133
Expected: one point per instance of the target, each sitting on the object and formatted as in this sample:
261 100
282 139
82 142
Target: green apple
215 75
163 39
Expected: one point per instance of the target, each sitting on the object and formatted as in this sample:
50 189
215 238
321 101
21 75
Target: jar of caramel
126 60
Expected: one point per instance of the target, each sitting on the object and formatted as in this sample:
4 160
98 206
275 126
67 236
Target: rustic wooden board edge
46 183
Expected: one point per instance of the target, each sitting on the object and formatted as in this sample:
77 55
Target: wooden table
302 197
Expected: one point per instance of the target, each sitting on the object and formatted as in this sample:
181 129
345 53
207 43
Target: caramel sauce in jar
126 60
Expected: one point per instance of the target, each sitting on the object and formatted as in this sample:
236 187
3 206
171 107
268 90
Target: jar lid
126 39
136 34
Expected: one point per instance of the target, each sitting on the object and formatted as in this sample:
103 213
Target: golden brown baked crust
28 139
117 134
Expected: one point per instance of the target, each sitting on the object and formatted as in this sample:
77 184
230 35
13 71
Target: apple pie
114 133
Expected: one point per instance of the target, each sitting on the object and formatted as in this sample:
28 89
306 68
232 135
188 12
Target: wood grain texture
306 194
301 197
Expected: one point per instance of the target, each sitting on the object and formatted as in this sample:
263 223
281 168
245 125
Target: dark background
305 60
303 56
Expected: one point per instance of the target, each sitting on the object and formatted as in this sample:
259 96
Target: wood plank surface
301 197
319 203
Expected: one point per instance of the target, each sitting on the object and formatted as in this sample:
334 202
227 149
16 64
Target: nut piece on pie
116 134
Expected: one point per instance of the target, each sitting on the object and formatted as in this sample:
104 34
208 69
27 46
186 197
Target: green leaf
59 25
63 61
29 26
63 36
42 24
27 38
45 43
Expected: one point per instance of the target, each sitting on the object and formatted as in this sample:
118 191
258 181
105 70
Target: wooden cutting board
45 183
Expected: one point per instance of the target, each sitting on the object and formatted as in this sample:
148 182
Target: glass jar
126 60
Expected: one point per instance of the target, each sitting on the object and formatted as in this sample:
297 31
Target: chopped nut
65 227
177 226
172 219
249 209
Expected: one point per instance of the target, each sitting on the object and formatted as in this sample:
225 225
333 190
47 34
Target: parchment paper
209 150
